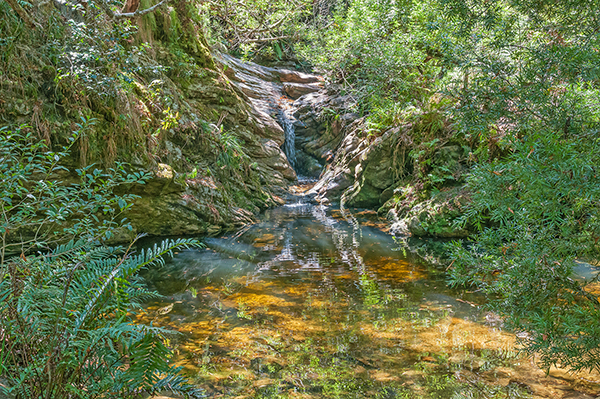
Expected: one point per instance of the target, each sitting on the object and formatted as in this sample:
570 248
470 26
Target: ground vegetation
495 101
515 86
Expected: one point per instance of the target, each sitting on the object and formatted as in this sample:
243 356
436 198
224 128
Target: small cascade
289 145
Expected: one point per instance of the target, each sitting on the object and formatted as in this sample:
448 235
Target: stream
313 302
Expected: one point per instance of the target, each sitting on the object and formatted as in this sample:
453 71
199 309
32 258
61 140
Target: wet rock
307 165
297 77
297 90
321 119
332 185
370 164
364 194
275 164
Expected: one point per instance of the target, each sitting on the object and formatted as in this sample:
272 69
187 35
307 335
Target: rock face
438 216
368 171
271 92
319 115
320 121
203 125
250 100
176 204
362 167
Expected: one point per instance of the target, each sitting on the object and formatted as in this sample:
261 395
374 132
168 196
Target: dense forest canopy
515 84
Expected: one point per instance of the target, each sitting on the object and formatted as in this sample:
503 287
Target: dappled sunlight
311 303
389 268
594 289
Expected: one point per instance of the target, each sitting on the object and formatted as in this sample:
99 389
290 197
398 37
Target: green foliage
258 27
543 203
66 300
515 84
527 80
371 48
231 152
66 328
39 210
384 55
521 69
96 58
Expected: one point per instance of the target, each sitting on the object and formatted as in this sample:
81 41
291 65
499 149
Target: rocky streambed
327 140
316 302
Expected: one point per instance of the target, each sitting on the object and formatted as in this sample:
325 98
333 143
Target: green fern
66 327
67 330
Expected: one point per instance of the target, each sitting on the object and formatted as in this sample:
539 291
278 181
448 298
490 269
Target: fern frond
178 385
126 268
155 255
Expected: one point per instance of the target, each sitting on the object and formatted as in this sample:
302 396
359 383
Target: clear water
312 303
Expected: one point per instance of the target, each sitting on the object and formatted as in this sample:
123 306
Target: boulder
298 77
297 90
433 217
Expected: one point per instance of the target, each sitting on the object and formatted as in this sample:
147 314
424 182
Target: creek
315 302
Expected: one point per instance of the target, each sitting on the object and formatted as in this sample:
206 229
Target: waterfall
289 145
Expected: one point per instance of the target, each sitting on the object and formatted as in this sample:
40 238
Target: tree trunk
22 13
130 6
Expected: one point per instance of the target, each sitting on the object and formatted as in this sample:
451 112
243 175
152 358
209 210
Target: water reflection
317 303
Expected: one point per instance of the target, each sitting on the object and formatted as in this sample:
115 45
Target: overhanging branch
23 14
118 15
269 39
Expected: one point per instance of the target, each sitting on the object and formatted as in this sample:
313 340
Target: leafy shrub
65 298
528 87
373 49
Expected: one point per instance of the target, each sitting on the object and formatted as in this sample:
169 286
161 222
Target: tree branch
118 15
269 39
14 4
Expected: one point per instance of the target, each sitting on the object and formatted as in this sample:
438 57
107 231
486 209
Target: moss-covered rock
158 100
437 216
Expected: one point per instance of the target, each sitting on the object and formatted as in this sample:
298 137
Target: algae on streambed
313 303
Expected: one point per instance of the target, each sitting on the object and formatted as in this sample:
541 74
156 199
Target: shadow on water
314 302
